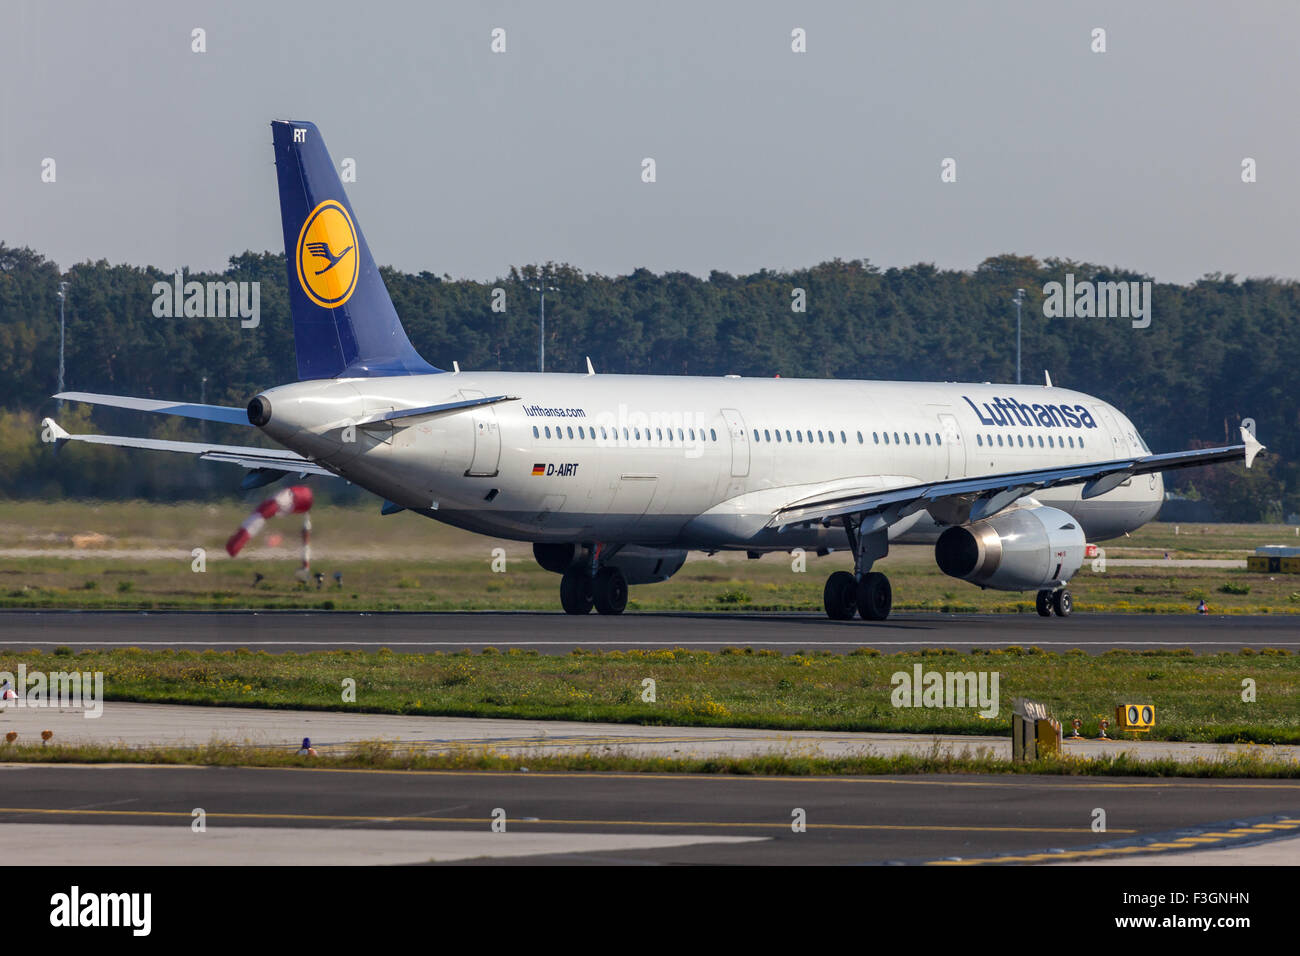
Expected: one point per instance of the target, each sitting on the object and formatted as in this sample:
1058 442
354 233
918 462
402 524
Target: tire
611 591
875 597
841 596
1043 603
1062 603
577 593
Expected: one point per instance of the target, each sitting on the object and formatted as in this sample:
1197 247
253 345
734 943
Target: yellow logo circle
327 255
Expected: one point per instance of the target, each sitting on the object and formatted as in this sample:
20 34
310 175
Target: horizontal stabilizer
434 409
245 455
207 413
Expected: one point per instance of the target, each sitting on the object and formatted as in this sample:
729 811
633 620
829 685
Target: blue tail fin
344 323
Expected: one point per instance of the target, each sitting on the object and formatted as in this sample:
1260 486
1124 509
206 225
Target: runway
56 815
558 633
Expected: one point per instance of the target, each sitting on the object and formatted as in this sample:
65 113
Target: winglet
1253 447
51 433
1047 376
590 369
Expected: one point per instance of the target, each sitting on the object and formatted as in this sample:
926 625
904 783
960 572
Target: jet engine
1023 549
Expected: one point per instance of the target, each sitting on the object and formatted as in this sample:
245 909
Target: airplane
615 478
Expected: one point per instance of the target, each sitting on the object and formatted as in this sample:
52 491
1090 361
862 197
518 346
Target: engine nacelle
1026 548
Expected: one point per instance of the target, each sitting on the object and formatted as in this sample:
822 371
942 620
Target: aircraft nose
259 411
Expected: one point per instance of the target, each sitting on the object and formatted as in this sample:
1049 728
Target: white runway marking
60 844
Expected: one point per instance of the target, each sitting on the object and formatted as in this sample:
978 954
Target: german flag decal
539 470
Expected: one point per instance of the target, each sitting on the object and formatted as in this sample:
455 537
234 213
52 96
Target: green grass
1197 698
136 555
377 755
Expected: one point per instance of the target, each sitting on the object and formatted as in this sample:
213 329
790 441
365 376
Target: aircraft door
739 443
1107 422
487 438
952 438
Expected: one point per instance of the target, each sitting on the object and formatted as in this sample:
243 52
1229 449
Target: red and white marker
293 500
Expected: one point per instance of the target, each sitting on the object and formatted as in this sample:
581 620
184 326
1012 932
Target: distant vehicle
614 478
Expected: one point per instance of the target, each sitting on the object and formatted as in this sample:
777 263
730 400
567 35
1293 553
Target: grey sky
470 162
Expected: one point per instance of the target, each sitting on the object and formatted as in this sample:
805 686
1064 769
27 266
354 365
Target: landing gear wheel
841 596
875 597
610 591
1062 603
577 592
1044 603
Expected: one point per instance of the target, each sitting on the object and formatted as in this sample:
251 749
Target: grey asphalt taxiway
143 814
557 633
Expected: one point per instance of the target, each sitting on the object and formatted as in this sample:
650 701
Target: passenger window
1050 442
535 434
1040 441
548 431
800 434
713 436
907 438
844 439
831 436
1020 440
999 441
767 436
979 440
859 438
820 439
787 435
938 440
886 438
875 437
755 434
927 438
917 436
1080 441
1071 441
895 438
778 436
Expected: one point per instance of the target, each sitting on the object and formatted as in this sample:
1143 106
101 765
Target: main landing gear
863 591
845 596
1058 602
580 590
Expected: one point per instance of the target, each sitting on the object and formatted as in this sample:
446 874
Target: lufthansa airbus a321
615 478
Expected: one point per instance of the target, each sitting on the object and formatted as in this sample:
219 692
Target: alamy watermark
76 690
208 300
1099 300
922 688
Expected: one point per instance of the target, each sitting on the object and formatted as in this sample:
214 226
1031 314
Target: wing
272 459
960 500
207 413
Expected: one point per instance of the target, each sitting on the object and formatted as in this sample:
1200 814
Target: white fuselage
698 463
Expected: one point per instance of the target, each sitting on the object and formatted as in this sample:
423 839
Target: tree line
1216 350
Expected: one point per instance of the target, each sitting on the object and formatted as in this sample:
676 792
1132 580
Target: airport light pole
62 294
1020 297
542 288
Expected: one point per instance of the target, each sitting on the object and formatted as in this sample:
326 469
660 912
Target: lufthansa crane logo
327 255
